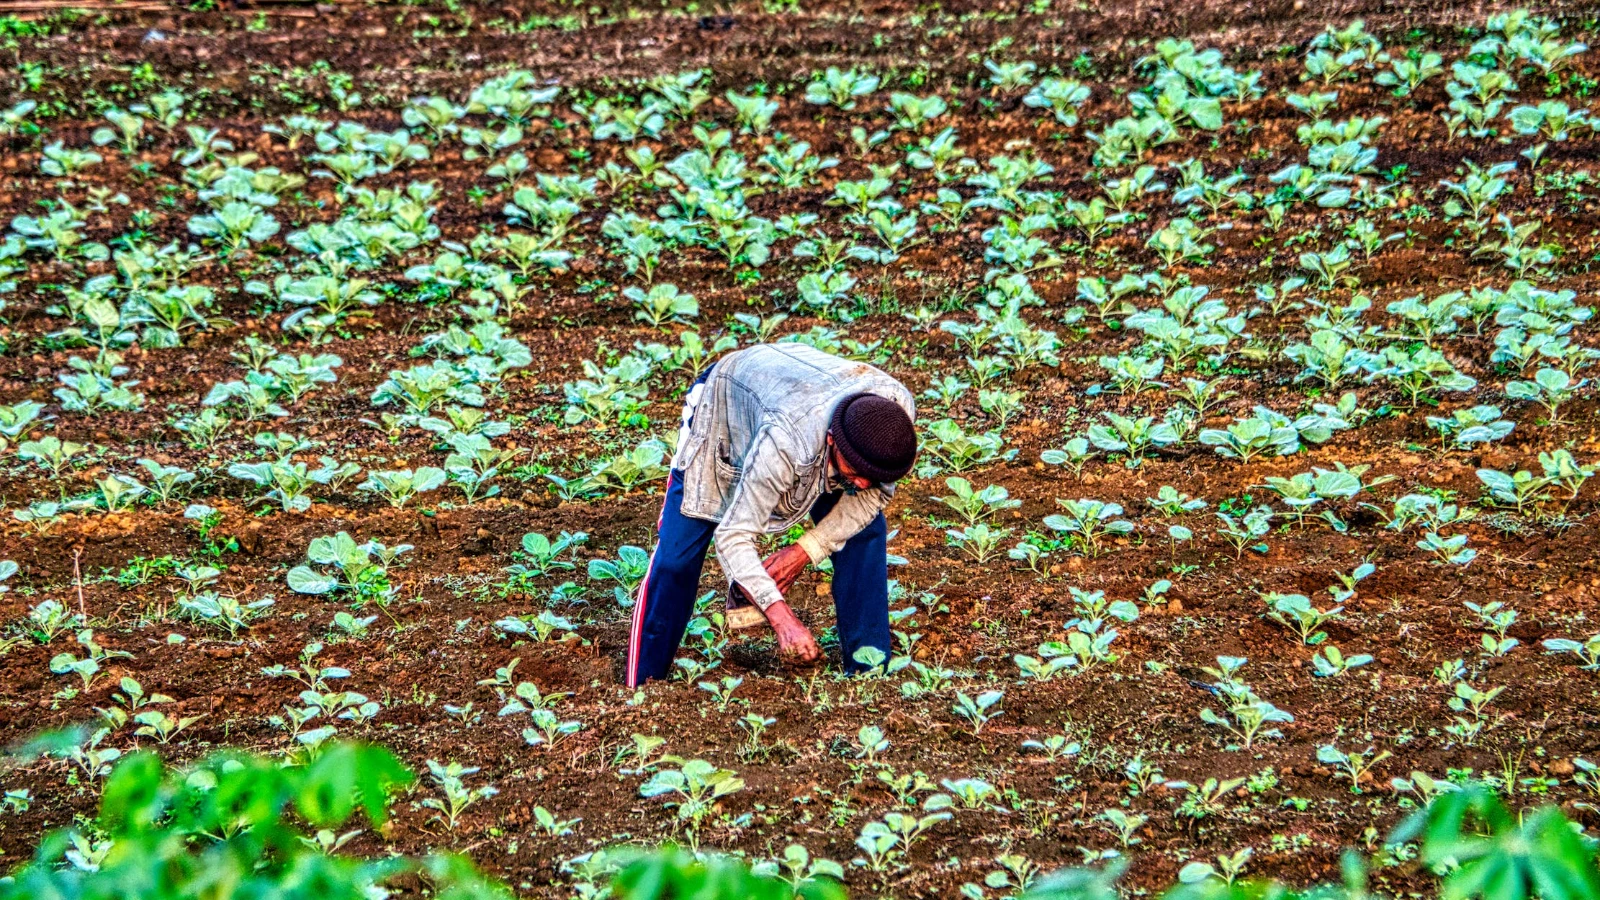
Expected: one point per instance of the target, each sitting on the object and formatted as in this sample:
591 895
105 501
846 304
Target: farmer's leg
667 594
860 587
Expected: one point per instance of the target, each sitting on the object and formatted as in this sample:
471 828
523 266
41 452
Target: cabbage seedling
1549 388
980 541
1355 766
399 486
1587 651
226 613
976 505
979 711
457 796
1089 521
693 789
1229 866
1451 550
1295 612
1329 662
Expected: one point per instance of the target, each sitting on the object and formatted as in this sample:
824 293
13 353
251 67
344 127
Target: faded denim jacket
754 458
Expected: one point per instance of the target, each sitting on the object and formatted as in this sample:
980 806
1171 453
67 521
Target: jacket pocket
791 504
794 503
727 472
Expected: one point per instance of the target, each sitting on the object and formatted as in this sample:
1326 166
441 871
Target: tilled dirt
436 642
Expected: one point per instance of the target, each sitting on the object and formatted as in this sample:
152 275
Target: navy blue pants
666 597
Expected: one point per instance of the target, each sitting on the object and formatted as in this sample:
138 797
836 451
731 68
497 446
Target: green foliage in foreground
229 827
1477 848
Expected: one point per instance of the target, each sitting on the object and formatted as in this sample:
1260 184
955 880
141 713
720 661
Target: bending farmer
771 434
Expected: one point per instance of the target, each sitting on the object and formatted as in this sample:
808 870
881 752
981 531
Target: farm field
342 350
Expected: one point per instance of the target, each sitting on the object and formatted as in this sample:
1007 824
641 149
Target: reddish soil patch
244 68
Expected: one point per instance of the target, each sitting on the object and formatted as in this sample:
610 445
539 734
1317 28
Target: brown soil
436 643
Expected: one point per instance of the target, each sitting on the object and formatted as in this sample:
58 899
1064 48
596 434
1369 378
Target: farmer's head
871 441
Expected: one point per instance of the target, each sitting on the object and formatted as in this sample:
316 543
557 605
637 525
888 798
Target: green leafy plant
451 781
947 446
361 569
672 872
1494 853
233 815
662 304
1227 869
400 486
1240 531
1587 651
1089 521
627 570
223 612
1549 388
976 505
1249 716
1330 661
693 788
980 541
1354 766
1296 613
541 556
840 88
980 710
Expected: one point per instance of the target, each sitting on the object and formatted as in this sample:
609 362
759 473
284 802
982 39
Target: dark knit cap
875 436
